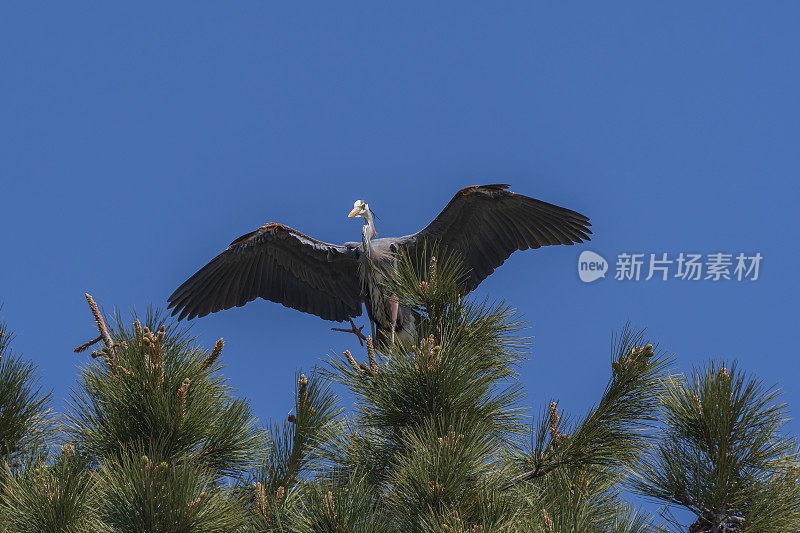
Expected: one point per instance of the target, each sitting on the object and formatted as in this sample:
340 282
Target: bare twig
354 330
109 351
539 471
85 345
101 324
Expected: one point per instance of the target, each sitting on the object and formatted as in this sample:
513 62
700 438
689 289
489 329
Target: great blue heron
484 224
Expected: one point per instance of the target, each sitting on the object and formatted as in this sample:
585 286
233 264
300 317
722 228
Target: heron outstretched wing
277 263
485 224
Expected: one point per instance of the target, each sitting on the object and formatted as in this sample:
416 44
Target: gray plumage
483 224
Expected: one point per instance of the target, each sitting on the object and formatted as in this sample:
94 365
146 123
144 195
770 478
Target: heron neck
368 231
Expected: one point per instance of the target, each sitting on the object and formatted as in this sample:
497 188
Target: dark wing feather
280 264
485 224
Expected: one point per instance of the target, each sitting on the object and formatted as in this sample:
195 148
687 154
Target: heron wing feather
485 224
277 263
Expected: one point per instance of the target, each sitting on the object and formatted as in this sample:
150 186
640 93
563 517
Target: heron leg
354 330
393 307
369 315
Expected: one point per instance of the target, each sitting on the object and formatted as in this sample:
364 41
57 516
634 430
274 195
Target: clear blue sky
137 140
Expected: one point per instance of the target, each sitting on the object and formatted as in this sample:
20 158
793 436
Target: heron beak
354 212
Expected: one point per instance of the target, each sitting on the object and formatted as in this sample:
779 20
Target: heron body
483 224
375 266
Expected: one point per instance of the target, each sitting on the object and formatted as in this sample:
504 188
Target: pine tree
54 492
27 424
723 455
435 440
27 431
162 424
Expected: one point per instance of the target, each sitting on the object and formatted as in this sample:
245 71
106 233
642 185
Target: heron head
360 209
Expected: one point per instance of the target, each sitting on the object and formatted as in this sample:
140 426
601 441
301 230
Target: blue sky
136 141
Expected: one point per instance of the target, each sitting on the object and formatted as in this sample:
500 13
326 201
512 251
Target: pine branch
611 435
27 425
289 453
163 389
722 454
56 493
